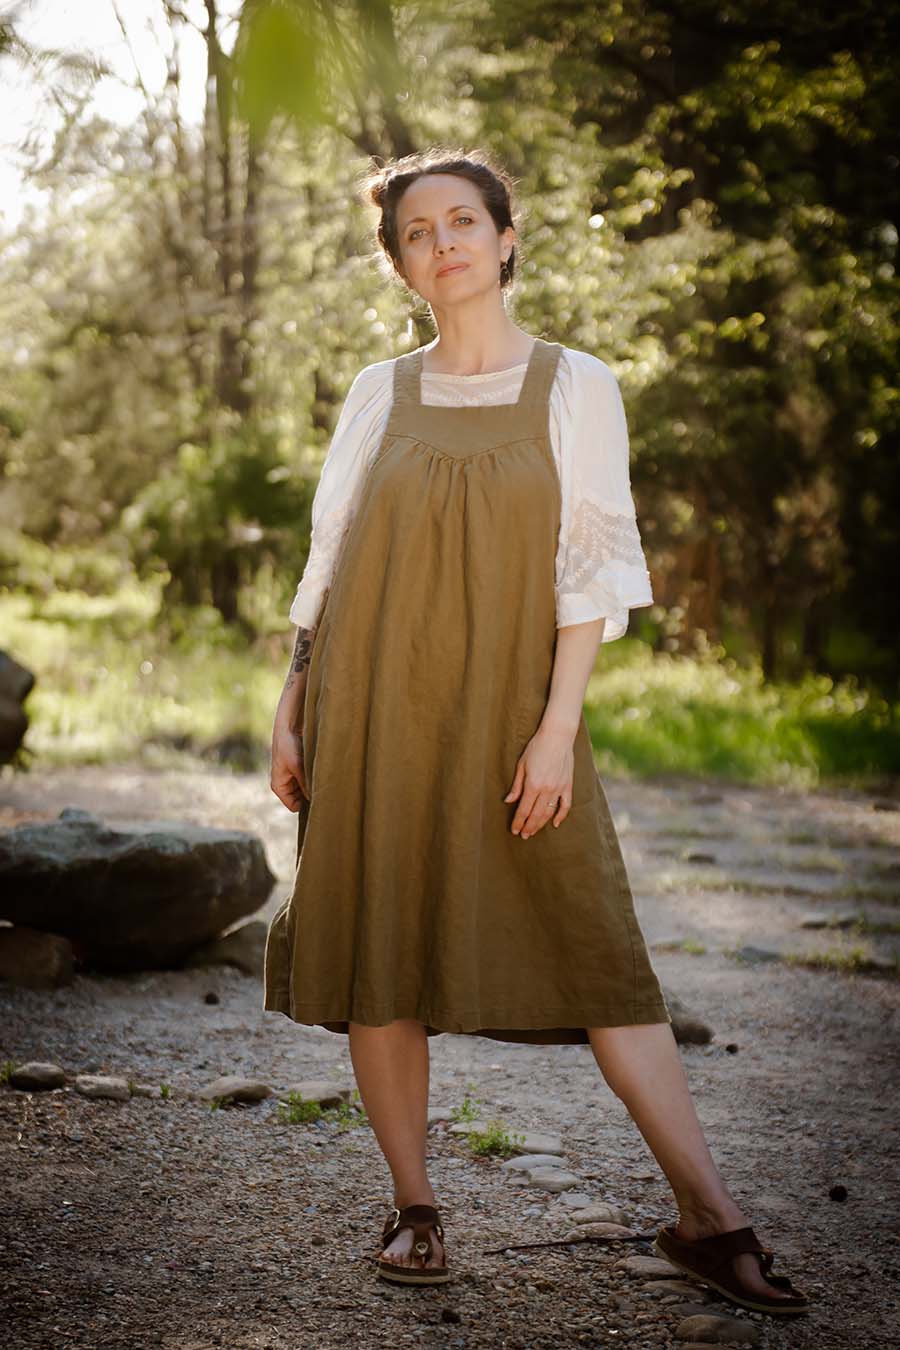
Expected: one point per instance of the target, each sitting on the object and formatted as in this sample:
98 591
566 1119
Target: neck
463 349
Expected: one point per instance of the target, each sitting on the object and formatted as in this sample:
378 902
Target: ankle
696 1221
414 1197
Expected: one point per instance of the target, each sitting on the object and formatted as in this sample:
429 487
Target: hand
543 776
288 772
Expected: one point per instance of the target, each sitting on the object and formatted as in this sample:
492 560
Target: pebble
551 1178
524 1161
37 1076
651 1266
711 1329
100 1086
598 1212
232 1088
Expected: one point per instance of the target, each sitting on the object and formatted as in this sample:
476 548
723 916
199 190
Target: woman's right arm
358 433
288 778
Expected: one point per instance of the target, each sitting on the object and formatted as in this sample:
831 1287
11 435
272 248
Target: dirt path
163 1223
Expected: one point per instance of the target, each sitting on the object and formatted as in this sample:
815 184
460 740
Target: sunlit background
708 203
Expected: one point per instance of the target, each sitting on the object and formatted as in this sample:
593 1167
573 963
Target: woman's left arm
600 571
546 766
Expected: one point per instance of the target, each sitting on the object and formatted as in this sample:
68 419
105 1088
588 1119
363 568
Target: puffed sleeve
359 430
601 571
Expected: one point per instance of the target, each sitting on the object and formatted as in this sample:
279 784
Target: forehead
436 192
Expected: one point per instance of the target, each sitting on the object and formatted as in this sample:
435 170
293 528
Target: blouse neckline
483 375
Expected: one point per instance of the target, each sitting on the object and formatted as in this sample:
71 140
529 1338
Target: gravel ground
163 1222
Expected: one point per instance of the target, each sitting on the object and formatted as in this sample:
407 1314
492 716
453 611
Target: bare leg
642 1065
391 1067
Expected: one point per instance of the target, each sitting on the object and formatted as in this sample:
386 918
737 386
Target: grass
118 678
844 960
495 1140
295 1109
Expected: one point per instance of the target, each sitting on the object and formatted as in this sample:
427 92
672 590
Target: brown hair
384 185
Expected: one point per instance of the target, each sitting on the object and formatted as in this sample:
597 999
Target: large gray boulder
134 895
16 684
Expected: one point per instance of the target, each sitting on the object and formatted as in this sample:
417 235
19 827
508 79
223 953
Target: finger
523 813
563 811
540 814
518 779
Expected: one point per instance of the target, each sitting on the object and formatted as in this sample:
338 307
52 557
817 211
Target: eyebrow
450 209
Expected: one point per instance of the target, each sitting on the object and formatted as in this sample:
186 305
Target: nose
441 239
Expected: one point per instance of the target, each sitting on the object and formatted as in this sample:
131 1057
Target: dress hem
558 1026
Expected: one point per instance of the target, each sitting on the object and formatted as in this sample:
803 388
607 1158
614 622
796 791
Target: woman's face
442 222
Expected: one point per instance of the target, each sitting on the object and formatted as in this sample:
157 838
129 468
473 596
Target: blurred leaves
708 203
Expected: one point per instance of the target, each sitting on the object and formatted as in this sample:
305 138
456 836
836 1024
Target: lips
454 267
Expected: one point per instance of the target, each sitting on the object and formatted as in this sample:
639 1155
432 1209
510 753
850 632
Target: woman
473 542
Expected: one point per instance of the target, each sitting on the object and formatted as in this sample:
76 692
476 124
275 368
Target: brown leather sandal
421 1219
708 1259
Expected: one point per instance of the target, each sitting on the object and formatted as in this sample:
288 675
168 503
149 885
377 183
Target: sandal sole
778 1306
409 1276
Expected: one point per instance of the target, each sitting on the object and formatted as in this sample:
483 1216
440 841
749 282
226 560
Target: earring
505 275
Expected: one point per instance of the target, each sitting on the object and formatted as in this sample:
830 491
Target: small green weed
495 1141
295 1109
6 1071
468 1110
843 960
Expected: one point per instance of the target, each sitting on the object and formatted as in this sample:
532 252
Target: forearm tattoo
302 653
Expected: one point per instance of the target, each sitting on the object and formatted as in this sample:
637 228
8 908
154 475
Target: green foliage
495 1141
122 676
295 1109
707 203
216 515
708 716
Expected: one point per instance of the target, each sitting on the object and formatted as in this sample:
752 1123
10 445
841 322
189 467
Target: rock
37 1076
320 1090
600 1212
577 1199
244 948
35 960
13 726
468 1127
650 1267
821 919
756 956
437 1114
539 1143
133 895
688 1028
712 1329
692 1308
99 1086
552 1178
583 1232
523 1161
16 683
145 1090
669 1287
231 1088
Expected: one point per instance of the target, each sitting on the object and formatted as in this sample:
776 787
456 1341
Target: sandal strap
421 1219
716 1250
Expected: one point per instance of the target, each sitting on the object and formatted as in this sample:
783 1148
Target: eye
459 218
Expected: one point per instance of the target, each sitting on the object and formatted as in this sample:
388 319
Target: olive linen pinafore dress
429 673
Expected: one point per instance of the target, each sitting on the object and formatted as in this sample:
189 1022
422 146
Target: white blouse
600 567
